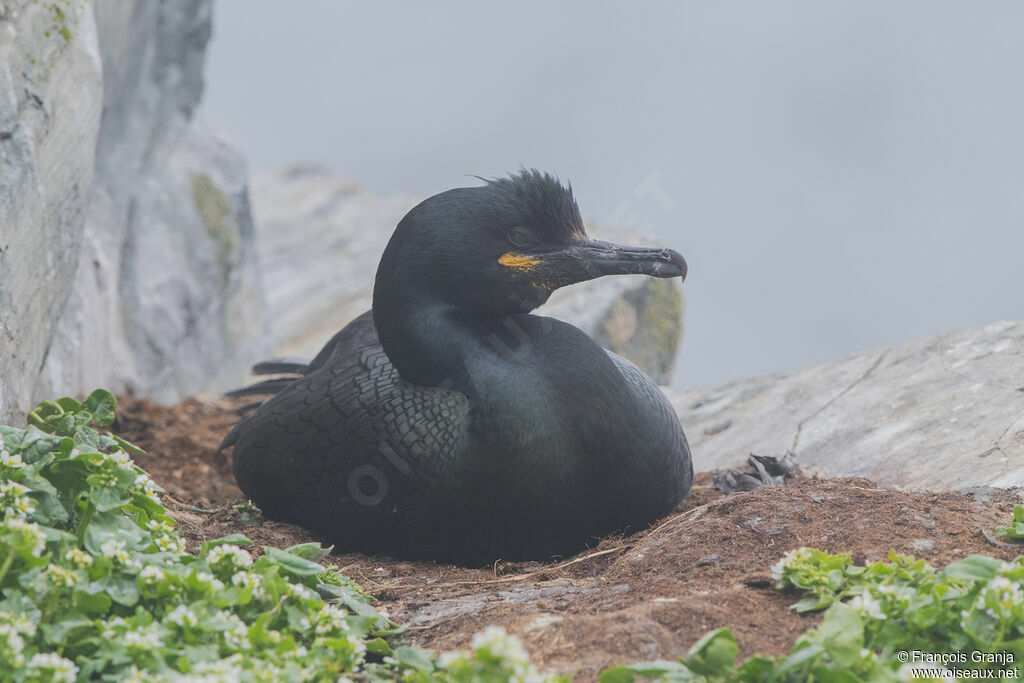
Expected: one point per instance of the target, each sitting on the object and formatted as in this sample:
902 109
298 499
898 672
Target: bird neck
419 338
433 343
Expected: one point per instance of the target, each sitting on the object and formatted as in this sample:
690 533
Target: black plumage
448 422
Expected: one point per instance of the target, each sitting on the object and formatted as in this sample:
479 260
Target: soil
648 596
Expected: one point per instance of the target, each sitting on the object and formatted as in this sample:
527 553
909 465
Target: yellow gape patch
520 262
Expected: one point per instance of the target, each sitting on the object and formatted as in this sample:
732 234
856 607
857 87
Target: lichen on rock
215 211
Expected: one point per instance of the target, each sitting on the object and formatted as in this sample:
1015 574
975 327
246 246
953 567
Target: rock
51 96
166 300
761 470
320 239
639 318
922 545
940 413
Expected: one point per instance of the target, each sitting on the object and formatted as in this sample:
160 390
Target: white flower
210 580
145 638
237 634
15 501
133 675
122 459
778 569
235 556
11 645
868 605
183 617
223 670
1004 593
170 544
297 590
160 527
115 549
78 557
148 486
252 581
58 576
19 622
331 618
152 574
53 666
297 652
500 644
28 529
8 460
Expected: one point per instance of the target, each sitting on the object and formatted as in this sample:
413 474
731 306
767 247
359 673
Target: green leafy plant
1015 530
96 583
971 613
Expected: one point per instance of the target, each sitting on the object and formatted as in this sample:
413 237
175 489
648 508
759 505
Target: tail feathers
267 386
278 366
290 368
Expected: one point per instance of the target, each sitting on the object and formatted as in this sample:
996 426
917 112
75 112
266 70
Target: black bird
449 423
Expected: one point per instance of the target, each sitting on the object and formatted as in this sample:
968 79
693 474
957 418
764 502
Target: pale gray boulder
166 301
940 413
51 96
320 239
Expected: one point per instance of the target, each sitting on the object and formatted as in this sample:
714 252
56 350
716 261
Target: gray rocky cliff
51 96
158 279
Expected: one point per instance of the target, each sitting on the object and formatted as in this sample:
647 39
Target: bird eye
519 238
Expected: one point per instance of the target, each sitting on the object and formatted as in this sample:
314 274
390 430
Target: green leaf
60 632
617 674
91 599
714 654
35 444
49 509
106 526
12 438
974 568
43 414
662 667
842 634
823 674
68 404
807 653
812 603
414 658
86 439
122 589
293 564
757 668
313 552
378 646
107 498
230 539
127 446
101 404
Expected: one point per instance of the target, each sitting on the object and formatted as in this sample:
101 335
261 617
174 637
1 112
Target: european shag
448 422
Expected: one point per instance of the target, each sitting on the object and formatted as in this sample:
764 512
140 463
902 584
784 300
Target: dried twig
513 578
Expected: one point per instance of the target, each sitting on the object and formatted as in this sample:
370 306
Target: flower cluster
496 655
15 501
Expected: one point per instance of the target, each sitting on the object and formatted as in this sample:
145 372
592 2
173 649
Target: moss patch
215 211
652 340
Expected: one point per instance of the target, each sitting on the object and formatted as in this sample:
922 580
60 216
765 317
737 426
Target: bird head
505 246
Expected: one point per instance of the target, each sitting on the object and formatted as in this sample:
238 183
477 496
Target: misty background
839 175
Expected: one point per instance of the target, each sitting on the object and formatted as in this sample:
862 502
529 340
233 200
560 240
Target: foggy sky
839 175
